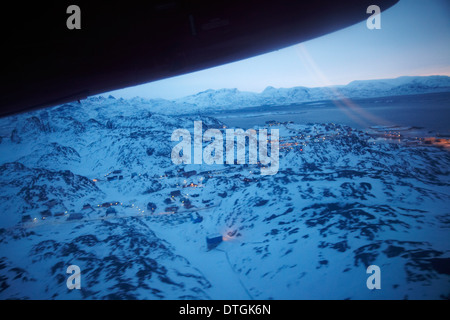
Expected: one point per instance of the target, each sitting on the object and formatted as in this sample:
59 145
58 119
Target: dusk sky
414 39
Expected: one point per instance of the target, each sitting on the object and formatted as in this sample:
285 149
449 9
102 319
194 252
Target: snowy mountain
92 184
212 101
226 99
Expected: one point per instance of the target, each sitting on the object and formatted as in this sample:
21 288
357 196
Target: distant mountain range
230 99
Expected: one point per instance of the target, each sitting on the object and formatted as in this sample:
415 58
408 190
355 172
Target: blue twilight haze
414 40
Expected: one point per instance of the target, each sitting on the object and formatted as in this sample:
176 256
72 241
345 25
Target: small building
75 216
213 241
196 218
117 171
187 204
51 203
45 214
175 193
189 173
151 206
111 210
87 206
109 204
172 209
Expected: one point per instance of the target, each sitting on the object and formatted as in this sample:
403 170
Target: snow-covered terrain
230 99
92 184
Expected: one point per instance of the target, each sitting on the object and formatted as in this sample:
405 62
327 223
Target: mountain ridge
231 98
